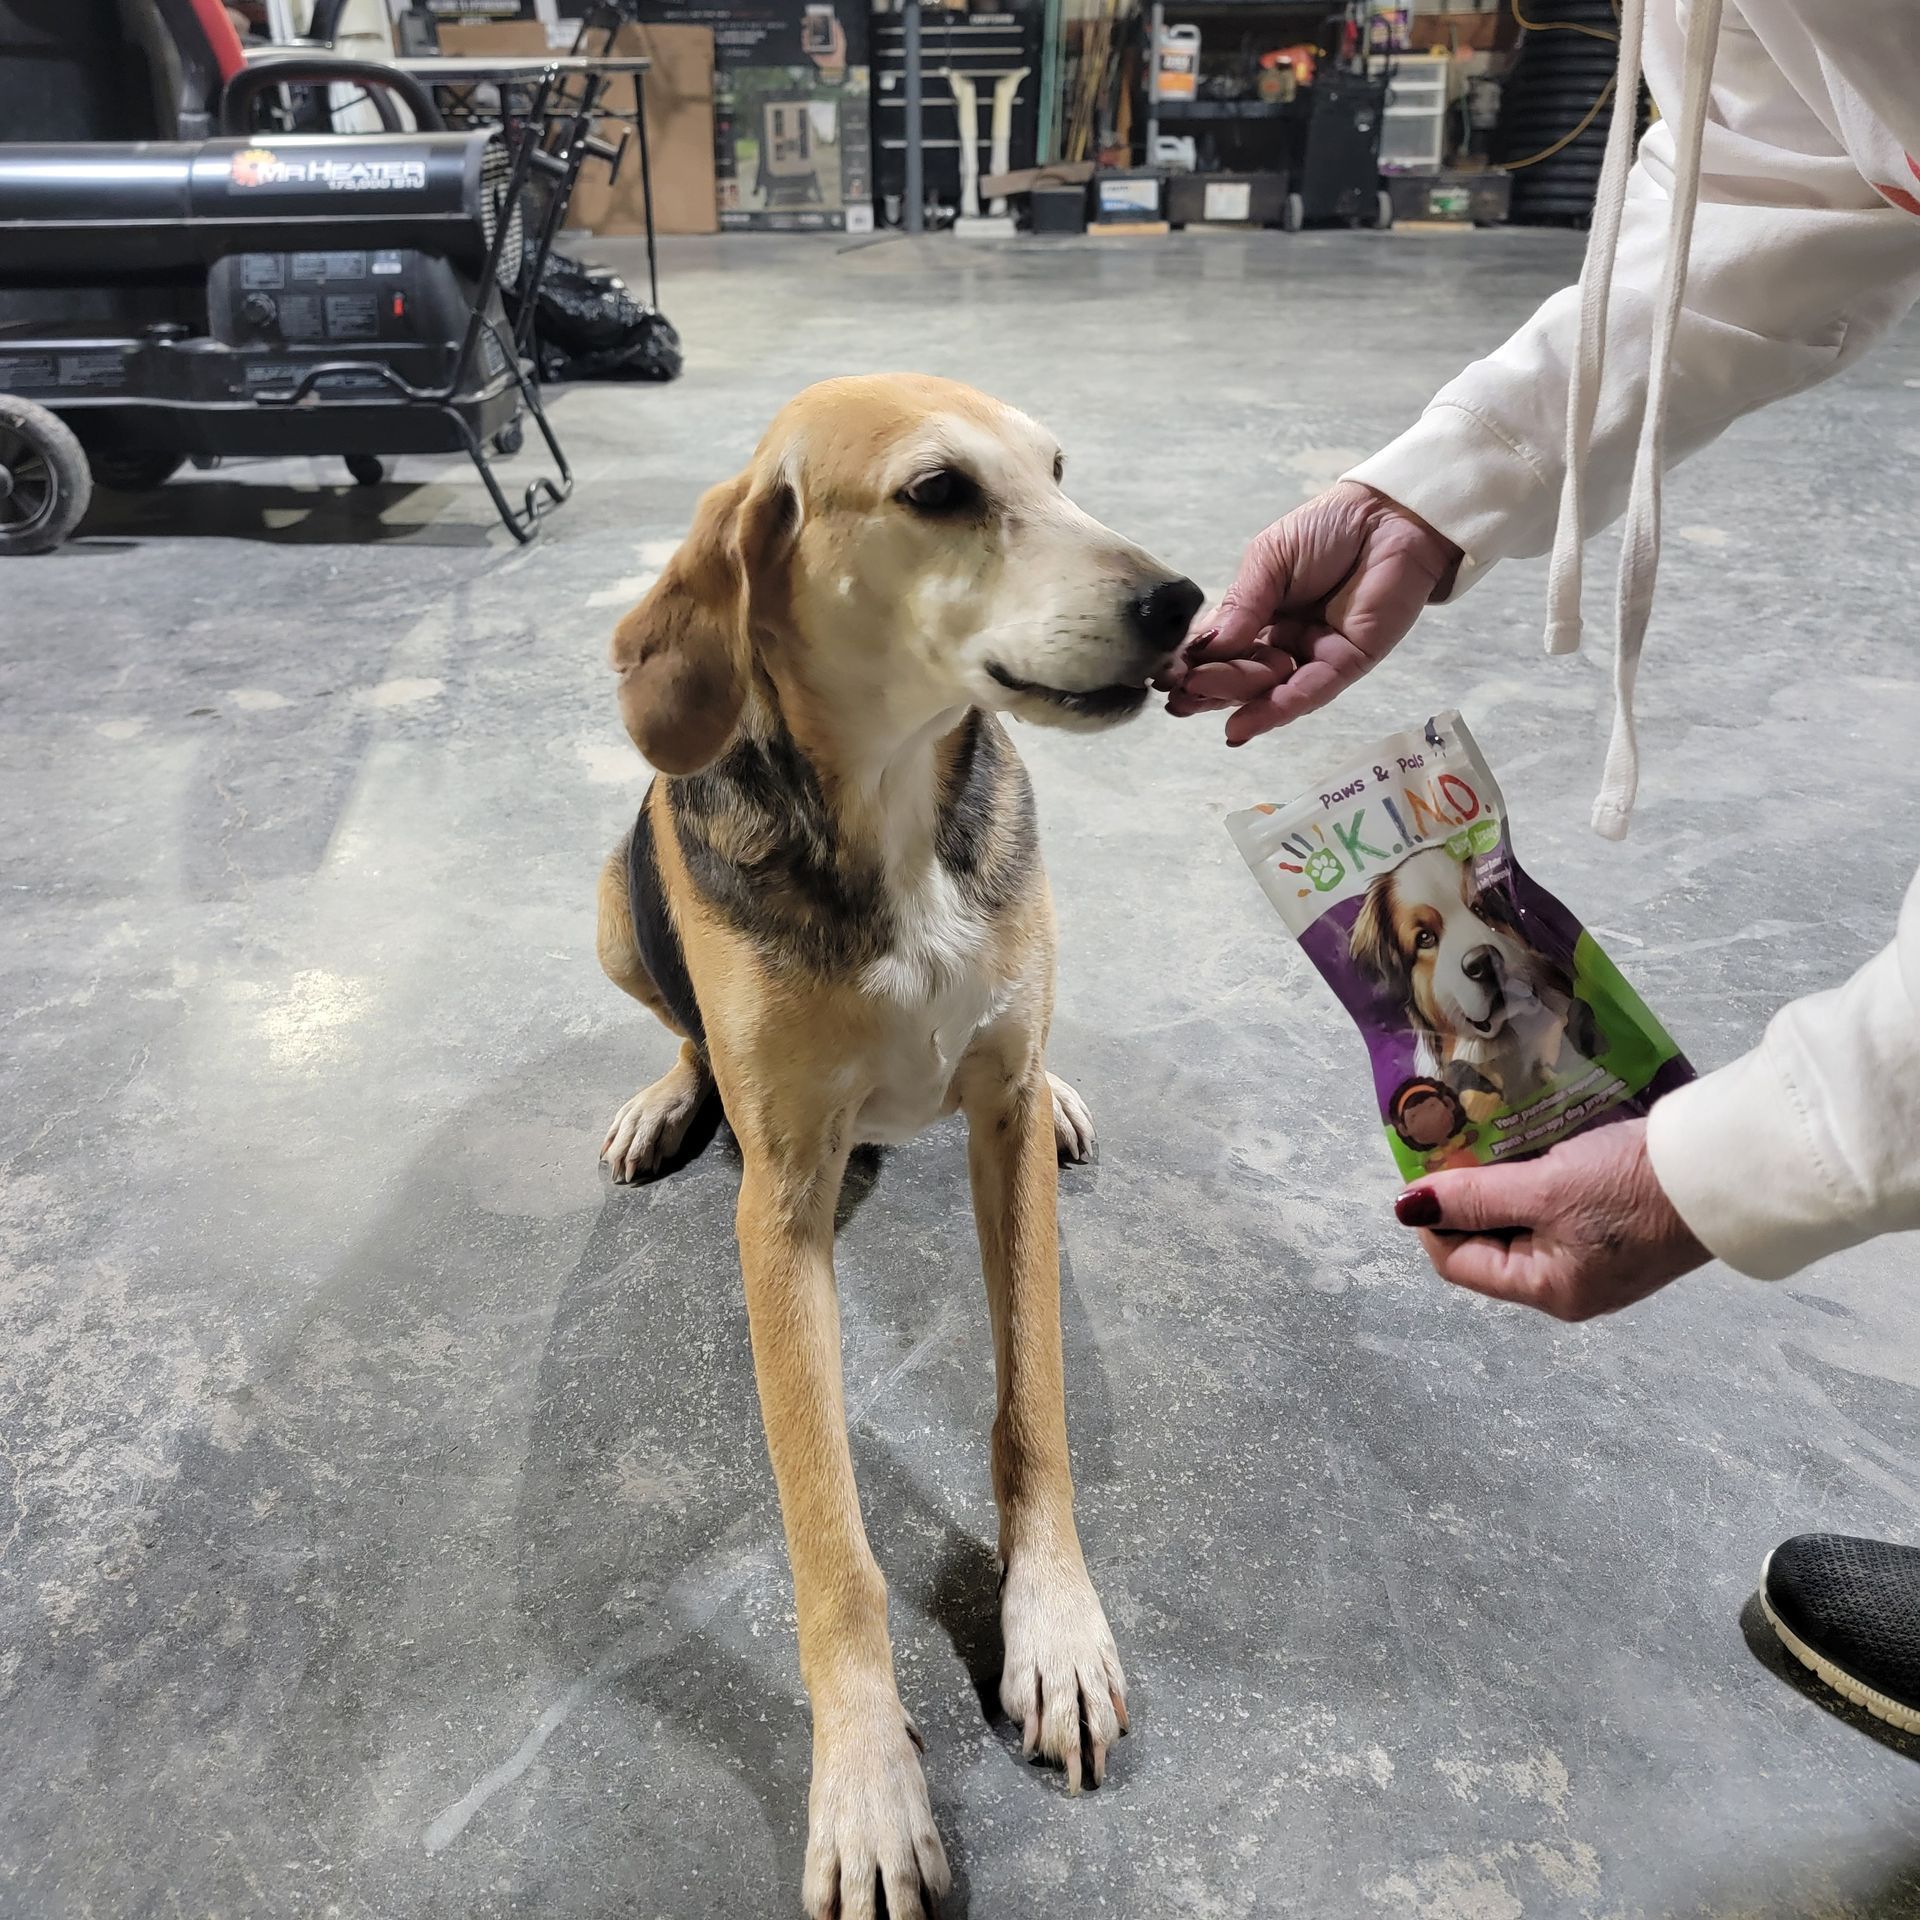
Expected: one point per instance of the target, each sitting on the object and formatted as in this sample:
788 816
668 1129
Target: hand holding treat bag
1495 1023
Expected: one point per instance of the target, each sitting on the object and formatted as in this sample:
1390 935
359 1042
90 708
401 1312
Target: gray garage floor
384 1526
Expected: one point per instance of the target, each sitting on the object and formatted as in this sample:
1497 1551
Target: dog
1493 1016
834 896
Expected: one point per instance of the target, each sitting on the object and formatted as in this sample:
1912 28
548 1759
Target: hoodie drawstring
1589 360
1640 550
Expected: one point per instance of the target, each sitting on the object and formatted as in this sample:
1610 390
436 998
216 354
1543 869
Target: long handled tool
1000 155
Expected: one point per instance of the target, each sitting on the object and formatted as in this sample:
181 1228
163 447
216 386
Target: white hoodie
1795 177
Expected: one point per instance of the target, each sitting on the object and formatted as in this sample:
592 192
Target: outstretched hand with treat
1321 596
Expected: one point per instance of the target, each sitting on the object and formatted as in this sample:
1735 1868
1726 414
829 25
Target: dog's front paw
1072 1124
870 1824
1061 1685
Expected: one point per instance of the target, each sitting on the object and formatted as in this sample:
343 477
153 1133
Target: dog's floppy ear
684 654
1371 945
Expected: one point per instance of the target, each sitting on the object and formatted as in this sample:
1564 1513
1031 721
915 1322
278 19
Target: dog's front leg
869 1820
1061 1683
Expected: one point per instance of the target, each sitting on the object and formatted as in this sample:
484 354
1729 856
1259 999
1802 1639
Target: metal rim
30 501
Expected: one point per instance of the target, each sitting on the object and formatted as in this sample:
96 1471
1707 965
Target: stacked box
791 124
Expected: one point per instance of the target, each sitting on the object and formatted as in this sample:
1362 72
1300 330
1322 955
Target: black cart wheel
44 481
1383 211
135 472
368 469
1294 215
510 439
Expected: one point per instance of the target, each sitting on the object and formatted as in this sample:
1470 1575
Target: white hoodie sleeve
1798 266
1811 1142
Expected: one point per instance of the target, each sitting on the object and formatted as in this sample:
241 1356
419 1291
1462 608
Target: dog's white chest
938 988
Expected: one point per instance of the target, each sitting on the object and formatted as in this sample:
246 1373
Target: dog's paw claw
870 1834
650 1129
1062 1683
1073 1135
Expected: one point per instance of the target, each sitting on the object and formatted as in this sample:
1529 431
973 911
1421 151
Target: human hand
1322 596
1586 1229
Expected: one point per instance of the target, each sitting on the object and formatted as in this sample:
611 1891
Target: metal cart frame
549 129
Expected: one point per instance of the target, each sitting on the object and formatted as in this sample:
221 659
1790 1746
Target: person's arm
1798 266
1811 1142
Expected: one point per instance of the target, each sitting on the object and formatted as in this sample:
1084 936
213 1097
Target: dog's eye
947 490
1424 939
1059 468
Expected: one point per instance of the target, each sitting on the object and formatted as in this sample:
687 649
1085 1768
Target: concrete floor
386 1529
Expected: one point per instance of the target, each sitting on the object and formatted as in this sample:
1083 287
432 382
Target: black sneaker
1850 1610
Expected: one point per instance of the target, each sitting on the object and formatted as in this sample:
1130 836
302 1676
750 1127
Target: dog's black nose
1482 967
1160 615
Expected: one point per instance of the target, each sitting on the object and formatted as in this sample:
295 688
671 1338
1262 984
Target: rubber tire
1294 215
66 460
510 439
1383 212
135 472
368 469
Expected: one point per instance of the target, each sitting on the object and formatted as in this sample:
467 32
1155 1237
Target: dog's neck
881 765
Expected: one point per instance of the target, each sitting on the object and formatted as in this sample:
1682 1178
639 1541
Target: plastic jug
1176 63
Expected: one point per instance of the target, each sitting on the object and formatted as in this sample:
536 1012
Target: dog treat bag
1495 1023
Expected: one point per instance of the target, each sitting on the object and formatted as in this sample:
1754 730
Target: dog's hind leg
1061 1684
649 1129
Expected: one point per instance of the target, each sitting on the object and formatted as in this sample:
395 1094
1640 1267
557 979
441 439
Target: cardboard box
793 148
1484 30
680 125
679 96
1057 173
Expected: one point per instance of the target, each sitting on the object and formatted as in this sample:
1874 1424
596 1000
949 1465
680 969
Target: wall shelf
1225 109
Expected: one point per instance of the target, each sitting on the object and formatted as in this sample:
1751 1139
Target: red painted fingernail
1418 1207
1201 639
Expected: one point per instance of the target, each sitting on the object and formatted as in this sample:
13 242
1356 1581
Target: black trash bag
587 326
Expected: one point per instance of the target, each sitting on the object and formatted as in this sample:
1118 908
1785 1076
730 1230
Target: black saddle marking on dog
761 845
985 834
654 932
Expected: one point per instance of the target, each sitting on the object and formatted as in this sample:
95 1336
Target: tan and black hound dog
834 895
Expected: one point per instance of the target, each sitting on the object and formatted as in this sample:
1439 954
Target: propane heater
236 291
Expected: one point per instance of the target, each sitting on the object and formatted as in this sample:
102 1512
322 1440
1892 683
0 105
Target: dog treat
1495 1023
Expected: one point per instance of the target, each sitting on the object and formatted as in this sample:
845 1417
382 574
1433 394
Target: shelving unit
1328 133
1313 13
1223 110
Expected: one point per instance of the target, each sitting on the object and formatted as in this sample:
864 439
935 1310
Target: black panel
68 71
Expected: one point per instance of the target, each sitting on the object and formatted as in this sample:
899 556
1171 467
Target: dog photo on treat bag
1495 1024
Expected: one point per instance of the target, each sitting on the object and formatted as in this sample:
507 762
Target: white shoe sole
1842 1682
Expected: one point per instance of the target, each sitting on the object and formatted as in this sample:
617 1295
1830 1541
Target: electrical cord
1566 139
1564 26
1593 112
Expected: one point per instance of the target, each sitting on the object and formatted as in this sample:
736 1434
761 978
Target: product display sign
793 148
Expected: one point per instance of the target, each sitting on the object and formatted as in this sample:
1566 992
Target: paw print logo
1324 869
